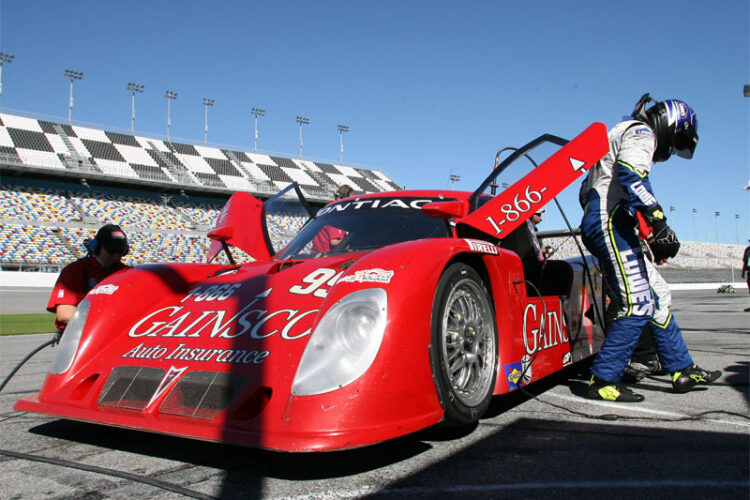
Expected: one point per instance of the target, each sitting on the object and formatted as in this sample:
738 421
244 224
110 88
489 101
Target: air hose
54 341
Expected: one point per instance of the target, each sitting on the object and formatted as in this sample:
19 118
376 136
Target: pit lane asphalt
694 445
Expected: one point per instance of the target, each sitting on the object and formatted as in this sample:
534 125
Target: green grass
20 324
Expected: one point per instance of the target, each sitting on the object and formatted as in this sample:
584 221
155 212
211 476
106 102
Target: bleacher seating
57 246
33 203
47 225
130 211
21 244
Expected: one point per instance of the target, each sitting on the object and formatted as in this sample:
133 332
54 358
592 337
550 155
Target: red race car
379 316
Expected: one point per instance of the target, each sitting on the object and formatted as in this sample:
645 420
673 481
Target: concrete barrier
21 279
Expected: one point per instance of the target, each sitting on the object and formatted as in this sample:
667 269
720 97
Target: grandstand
697 262
61 182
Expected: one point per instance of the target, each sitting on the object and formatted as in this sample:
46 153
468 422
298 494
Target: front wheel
463 352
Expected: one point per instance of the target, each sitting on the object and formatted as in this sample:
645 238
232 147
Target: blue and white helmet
675 125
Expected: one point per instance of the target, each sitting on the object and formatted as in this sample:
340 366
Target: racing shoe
692 376
607 391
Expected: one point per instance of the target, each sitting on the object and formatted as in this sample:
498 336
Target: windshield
363 225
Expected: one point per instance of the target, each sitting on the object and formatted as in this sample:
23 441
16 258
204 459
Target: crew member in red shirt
329 237
106 251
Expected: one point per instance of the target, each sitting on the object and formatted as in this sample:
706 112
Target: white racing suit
614 189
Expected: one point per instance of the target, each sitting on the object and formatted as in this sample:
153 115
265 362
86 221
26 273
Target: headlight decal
68 347
344 344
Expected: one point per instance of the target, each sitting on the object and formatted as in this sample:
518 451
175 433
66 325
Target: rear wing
244 223
511 208
240 224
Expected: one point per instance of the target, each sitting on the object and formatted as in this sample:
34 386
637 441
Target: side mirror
446 209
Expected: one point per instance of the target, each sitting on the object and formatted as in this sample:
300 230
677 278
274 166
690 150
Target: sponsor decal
369 276
513 374
640 190
170 378
567 359
540 332
481 246
522 203
213 292
645 131
104 289
404 203
198 354
639 290
252 319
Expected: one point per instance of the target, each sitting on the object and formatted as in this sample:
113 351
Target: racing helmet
675 125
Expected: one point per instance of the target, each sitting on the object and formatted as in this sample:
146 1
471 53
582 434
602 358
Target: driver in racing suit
616 189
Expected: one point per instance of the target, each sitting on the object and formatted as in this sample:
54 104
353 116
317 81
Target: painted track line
640 409
371 491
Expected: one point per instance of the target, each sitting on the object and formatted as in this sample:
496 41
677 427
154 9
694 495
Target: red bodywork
210 351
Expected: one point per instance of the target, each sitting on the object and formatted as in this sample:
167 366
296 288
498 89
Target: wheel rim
468 342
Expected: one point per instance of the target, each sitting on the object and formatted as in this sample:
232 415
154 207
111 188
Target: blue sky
428 88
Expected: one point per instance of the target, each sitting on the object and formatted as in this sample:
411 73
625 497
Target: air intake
130 387
203 394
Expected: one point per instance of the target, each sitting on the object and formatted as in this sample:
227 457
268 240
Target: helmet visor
685 142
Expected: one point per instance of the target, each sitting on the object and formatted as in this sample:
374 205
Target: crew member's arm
63 313
67 293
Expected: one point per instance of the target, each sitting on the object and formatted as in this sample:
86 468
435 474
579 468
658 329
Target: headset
93 246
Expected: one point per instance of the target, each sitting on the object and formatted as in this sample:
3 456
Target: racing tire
463 350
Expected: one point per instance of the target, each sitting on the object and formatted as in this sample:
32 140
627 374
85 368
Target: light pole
736 228
671 210
4 58
170 95
302 120
133 88
695 235
256 112
206 103
72 75
454 178
716 219
342 129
